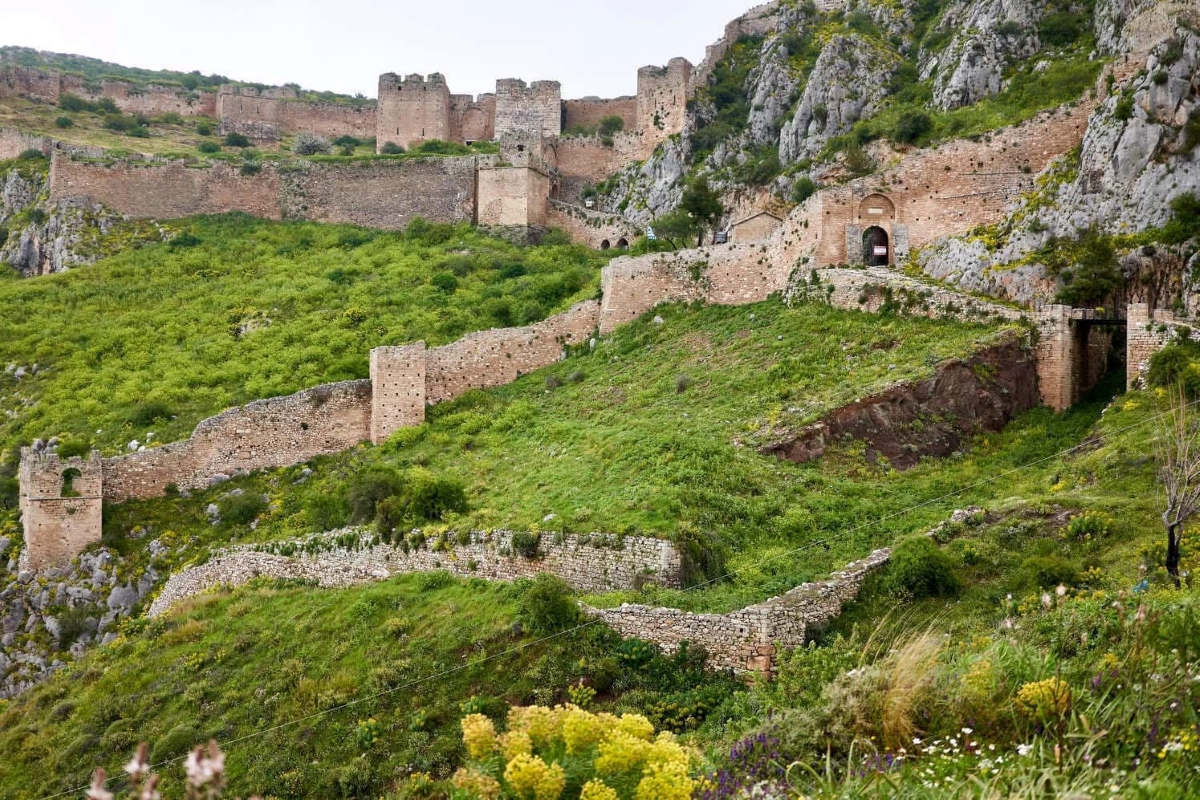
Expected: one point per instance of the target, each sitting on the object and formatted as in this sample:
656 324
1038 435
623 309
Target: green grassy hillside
236 309
652 433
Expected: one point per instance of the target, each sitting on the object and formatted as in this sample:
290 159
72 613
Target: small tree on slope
1178 450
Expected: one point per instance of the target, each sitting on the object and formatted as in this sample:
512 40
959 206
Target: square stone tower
61 504
412 110
397 389
522 109
662 98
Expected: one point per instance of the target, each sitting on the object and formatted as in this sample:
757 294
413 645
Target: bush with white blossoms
204 771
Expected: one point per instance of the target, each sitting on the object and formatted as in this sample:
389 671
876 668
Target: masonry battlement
44 475
662 96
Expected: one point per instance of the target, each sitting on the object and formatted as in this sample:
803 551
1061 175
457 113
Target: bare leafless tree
1178 446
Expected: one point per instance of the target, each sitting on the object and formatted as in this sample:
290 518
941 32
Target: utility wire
731 573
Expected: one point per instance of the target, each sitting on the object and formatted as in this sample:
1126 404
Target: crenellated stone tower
412 109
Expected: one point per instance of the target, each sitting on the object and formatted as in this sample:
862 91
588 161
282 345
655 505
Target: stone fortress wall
258 115
48 86
589 563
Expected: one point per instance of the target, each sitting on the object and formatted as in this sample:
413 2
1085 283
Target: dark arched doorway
875 247
605 245
623 244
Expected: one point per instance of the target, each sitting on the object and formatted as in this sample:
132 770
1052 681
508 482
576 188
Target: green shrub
209 147
169 118
919 569
241 509
63 122
234 139
204 129
911 126
72 102
1173 365
366 490
1046 571
69 448
546 605
527 544
178 741
145 414
444 282
702 556
1124 108
1061 29
347 141
804 188
32 154
10 493
250 168
438 147
1185 224
119 123
391 149
308 144
611 124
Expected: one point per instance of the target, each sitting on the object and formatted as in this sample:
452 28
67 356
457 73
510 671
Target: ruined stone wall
397 389
14 142
499 356
662 97
29 83
512 196
251 113
382 193
472 120
584 161
58 526
385 193
524 108
267 433
412 109
166 190
592 228
756 228
150 100
589 563
747 640
588 112
1146 333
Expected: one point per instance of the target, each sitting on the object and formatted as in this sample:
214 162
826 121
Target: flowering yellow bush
1044 699
515 743
597 790
531 778
545 748
479 735
665 781
477 784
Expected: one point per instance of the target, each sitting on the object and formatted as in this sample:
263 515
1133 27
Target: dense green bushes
919 569
547 605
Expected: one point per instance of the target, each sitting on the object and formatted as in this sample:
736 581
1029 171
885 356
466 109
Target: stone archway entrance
876 247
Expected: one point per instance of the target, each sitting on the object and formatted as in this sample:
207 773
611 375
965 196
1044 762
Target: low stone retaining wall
589 562
749 640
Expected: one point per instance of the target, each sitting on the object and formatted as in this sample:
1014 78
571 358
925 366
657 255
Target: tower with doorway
61 506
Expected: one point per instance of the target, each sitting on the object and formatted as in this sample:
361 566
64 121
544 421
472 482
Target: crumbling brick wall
251 112
590 111
522 108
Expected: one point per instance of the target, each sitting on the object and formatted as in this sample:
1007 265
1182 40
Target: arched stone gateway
876 247
605 244
623 244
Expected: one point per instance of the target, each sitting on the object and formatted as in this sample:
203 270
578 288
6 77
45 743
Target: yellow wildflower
665 781
477 784
1042 699
541 723
515 743
533 779
580 730
620 753
479 735
596 790
636 726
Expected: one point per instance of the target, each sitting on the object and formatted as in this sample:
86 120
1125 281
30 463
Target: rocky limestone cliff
986 35
41 237
847 84
1140 152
